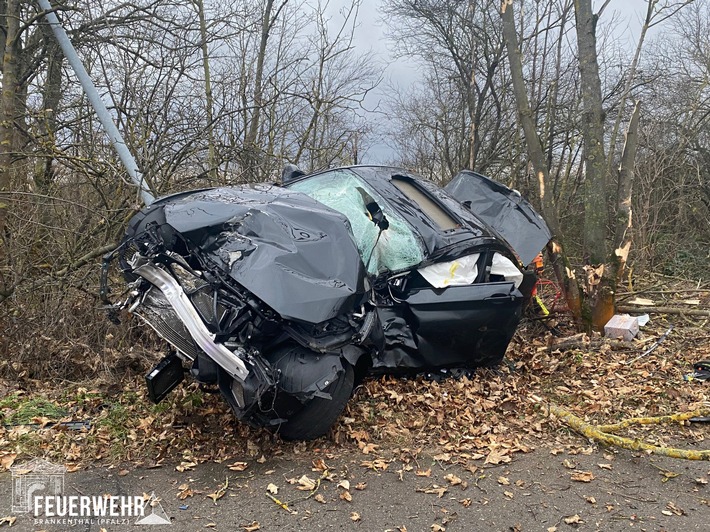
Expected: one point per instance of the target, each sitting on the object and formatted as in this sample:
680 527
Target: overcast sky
624 16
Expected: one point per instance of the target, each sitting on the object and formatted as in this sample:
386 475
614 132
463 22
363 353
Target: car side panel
458 326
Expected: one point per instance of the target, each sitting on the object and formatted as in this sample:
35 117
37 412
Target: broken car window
396 249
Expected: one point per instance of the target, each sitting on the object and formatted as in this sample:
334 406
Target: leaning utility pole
97 103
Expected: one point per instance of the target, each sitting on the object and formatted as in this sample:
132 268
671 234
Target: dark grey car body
283 296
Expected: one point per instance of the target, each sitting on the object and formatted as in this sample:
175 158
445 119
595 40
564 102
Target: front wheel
316 417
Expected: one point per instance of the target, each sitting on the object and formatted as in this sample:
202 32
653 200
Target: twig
664 310
281 504
626 295
91 255
653 347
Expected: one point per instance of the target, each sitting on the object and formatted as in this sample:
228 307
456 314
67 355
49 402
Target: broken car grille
157 312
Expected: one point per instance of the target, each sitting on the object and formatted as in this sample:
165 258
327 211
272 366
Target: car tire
317 416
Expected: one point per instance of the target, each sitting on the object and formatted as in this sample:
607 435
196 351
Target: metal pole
97 103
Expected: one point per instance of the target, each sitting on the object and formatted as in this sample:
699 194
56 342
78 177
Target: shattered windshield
396 249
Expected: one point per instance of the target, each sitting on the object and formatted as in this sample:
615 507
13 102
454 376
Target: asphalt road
536 491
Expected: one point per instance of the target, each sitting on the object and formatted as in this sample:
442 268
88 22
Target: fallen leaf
306 484
367 448
319 498
496 457
466 502
345 484
252 527
508 494
360 486
10 520
423 473
184 492
354 516
591 500
238 466
376 465
319 465
453 479
433 490
667 475
573 519
185 466
7 460
273 489
220 492
675 509
345 496
503 481
438 528
582 476
605 466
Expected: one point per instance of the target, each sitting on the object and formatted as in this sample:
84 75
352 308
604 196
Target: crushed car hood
290 251
504 210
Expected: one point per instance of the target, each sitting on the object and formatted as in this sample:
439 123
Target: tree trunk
8 115
47 124
600 281
560 263
622 233
250 146
595 183
209 103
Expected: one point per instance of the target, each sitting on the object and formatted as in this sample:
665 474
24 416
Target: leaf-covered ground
470 422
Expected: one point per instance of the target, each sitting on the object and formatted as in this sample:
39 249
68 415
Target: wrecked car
285 297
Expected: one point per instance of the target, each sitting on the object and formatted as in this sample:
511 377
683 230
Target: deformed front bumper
183 307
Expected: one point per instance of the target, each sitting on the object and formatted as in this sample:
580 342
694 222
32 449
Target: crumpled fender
293 253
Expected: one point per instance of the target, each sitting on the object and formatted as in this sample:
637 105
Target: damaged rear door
503 209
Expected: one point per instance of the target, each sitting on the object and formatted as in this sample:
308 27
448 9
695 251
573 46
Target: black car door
464 325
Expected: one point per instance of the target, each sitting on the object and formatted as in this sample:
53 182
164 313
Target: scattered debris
622 326
701 371
654 346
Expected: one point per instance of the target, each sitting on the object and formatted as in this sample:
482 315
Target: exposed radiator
159 314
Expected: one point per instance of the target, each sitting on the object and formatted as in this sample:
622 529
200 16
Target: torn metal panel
503 209
277 244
